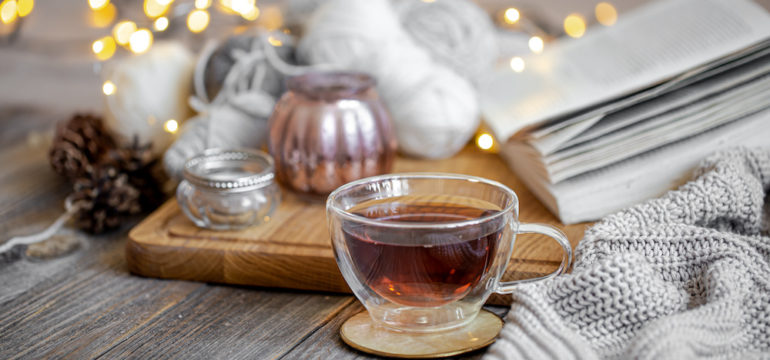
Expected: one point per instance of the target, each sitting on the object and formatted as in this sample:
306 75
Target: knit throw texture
683 276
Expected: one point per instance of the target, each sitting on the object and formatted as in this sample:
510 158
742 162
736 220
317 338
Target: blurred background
48 49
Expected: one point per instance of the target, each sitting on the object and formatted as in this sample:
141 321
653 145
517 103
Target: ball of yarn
236 83
435 110
457 33
149 90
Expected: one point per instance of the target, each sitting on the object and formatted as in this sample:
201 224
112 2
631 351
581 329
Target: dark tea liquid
416 267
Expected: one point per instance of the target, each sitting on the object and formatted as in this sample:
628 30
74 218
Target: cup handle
507 287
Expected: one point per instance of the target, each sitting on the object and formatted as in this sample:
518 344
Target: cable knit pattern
683 276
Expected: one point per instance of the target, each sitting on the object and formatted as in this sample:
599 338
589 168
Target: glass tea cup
424 251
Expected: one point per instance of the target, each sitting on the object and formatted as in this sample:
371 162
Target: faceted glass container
228 189
330 129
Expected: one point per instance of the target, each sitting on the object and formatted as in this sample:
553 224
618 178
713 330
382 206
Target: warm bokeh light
198 20
517 64
574 25
160 23
606 14
123 31
108 88
140 41
274 41
104 48
511 15
485 141
252 15
155 8
8 11
242 6
24 7
98 4
202 4
536 44
104 16
171 126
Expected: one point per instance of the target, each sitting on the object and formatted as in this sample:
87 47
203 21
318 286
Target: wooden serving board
293 250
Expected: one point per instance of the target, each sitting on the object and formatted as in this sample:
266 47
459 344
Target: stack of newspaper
621 115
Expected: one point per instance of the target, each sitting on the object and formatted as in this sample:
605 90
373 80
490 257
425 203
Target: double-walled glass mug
423 251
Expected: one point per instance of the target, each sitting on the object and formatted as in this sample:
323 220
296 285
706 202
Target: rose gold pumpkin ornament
330 129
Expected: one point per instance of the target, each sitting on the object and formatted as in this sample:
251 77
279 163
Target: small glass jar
229 189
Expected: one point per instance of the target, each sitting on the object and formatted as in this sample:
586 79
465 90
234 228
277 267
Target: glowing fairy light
274 41
252 15
155 8
536 44
574 25
123 31
198 20
606 14
98 4
103 17
160 23
485 141
24 7
140 41
104 48
517 64
511 15
171 126
8 11
108 88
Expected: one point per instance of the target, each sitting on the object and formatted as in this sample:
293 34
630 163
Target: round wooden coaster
361 333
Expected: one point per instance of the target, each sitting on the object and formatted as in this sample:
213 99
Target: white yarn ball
149 90
434 110
456 32
245 75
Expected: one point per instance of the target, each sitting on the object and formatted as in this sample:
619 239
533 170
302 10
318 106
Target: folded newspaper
621 115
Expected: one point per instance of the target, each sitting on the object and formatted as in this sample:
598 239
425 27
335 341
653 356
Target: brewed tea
420 267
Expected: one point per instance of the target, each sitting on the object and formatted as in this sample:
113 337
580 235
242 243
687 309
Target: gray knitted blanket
683 276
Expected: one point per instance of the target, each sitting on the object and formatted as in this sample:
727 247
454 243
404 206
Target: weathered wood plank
232 323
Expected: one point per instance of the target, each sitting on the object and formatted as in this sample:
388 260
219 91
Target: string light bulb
171 126
485 141
574 25
24 7
198 20
98 4
104 16
140 41
160 23
252 15
123 31
104 48
536 44
155 8
108 88
8 11
511 15
606 14
517 64
274 41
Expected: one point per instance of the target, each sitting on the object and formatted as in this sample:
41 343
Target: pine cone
78 145
137 162
103 196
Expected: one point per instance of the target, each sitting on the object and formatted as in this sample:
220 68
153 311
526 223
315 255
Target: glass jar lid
230 170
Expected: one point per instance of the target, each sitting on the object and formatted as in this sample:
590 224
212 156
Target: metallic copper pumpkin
330 129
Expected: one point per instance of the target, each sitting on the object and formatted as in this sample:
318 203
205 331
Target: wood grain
293 249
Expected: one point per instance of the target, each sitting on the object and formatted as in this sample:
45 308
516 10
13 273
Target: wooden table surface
85 303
